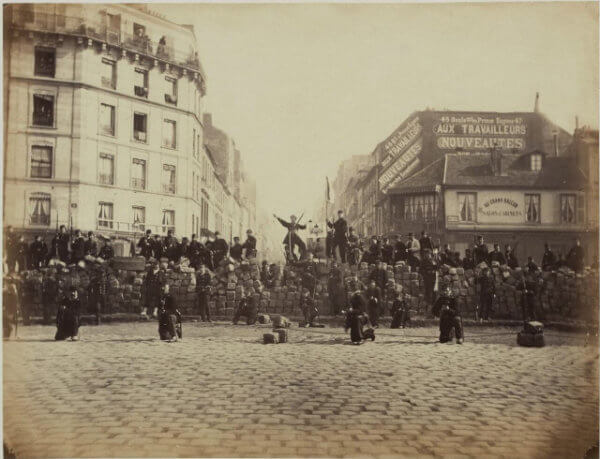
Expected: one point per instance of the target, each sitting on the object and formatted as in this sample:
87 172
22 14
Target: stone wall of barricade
561 294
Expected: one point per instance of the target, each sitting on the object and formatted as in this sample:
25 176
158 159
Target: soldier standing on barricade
203 282
425 242
77 247
292 239
549 259
194 252
91 248
220 249
413 248
480 252
171 247
62 244
145 245
38 251
236 250
497 255
158 248
250 245
340 235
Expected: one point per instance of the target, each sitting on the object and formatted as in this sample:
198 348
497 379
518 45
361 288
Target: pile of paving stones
561 294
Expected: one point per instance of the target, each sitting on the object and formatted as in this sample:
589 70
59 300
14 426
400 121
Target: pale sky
301 87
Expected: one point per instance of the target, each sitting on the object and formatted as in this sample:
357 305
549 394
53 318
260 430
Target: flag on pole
328 196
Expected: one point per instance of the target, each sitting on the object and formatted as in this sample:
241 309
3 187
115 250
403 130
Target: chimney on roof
207 119
536 107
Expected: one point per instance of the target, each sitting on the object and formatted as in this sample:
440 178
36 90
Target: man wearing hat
152 286
340 235
250 245
413 247
480 251
292 239
236 249
446 308
77 247
107 252
91 248
145 245
38 251
220 248
353 247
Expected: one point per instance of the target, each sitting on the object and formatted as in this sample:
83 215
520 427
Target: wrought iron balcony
83 27
138 183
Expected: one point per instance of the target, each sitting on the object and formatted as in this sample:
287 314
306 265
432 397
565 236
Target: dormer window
536 161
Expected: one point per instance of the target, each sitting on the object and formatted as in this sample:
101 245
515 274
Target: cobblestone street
221 392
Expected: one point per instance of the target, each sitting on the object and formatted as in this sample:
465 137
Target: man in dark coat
145 245
309 309
249 245
425 242
184 249
576 256
447 309
387 252
400 253
549 259
373 295
77 247
511 258
169 317
353 247
428 270
67 317
399 312
468 261
340 235
63 241
91 247
480 252
380 276
10 248
497 255
220 249
246 308
158 248
107 252
203 283
446 256
236 249
171 245
152 287
98 291
329 244
38 251
487 291
357 320
291 239
194 252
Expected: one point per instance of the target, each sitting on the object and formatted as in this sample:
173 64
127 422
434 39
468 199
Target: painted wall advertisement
480 132
404 164
400 141
500 207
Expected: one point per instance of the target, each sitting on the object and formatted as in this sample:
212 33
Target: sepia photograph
302 229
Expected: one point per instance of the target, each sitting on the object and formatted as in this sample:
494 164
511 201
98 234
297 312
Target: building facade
104 125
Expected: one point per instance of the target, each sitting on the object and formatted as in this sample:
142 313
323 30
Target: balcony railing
168 188
138 183
84 27
106 179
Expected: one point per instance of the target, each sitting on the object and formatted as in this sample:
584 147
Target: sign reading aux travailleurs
476 132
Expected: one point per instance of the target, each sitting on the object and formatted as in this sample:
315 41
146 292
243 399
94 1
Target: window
193 184
43 110
41 162
168 220
194 143
139 126
105 215
138 174
39 209
106 169
171 90
168 178
107 119
108 74
536 162
420 207
45 62
139 218
204 214
169 134
466 207
571 208
532 208
141 83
